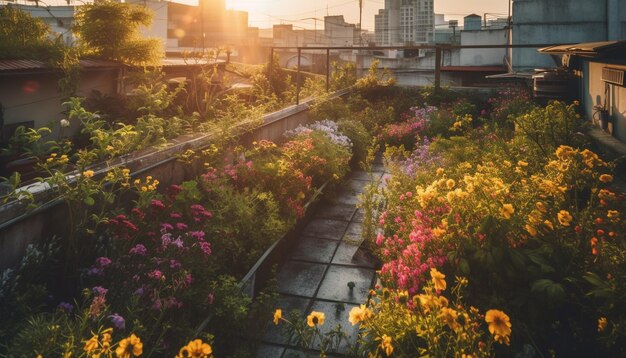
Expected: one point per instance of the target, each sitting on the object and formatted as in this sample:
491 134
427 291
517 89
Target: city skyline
265 13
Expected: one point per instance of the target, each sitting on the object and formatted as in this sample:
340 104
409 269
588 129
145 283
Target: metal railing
438 49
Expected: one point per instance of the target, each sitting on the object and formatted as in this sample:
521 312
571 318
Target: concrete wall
483 56
555 21
594 94
35 96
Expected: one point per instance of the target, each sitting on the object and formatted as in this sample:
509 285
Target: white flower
65 123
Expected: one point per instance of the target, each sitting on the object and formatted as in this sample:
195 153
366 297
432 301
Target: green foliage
110 30
23 36
342 75
359 136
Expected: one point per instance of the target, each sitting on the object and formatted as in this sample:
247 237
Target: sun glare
252 6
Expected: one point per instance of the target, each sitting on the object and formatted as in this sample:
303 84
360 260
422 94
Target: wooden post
298 77
437 68
327 70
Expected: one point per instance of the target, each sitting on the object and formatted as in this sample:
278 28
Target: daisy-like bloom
278 314
602 323
315 319
127 346
88 173
449 316
541 207
195 349
606 178
438 279
359 314
450 183
440 171
499 325
507 210
564 217
92 344
612 214
385 344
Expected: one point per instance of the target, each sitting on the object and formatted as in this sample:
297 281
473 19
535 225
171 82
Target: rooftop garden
499 231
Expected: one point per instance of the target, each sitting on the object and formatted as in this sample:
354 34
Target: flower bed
141 279
529 216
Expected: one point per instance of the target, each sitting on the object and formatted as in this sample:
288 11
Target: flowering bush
534 232
406 131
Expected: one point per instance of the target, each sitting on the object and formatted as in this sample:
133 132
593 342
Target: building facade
404 22
560 22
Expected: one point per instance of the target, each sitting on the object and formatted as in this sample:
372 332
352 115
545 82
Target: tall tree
110 30
23 36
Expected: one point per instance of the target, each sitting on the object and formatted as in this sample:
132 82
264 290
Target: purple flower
66 307
118 321
139 249
174 264
99 291
165 227
178 243
139 291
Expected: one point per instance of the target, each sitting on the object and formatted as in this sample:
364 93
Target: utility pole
360 22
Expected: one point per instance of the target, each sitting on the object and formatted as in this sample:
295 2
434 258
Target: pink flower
139 249
157 204
175 215
181 226
155 274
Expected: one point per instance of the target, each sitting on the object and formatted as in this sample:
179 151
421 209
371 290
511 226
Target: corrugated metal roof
21 65
586 48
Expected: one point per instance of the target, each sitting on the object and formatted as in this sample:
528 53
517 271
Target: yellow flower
88 173
548 224
564 217
522 163
127 346
109 148
612 214
507 210
450 183
602 323
277 316
315 319
499 325
385 344
606 178
440 171
531 230
449 316
438 279
195 349
92 344
359 314
541 207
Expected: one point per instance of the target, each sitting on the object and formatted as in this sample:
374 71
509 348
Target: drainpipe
612 20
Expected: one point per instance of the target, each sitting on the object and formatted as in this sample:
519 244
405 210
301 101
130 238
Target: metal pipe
327 70
298 77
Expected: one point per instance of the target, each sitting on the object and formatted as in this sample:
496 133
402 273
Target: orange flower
359 314
438 279
602 323
499 325
127 346
195 349
277 316
315 319
385 344
564 217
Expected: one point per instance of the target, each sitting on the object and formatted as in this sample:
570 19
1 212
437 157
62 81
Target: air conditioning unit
613 76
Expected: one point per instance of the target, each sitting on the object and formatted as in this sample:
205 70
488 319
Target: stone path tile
354 234
347 198
274 334
353 255
359 216
335 284
300 278
343 212
325 229
314 249
363 175
269 351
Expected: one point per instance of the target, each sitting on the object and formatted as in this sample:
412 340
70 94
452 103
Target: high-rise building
405 22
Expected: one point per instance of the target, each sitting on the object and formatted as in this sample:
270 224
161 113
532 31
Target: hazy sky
264 13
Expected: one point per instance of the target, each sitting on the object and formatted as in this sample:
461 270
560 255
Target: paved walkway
316 272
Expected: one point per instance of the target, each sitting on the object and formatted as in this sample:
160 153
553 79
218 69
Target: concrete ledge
607 142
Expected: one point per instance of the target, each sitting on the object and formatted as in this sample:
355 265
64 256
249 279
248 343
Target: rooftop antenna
360 22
